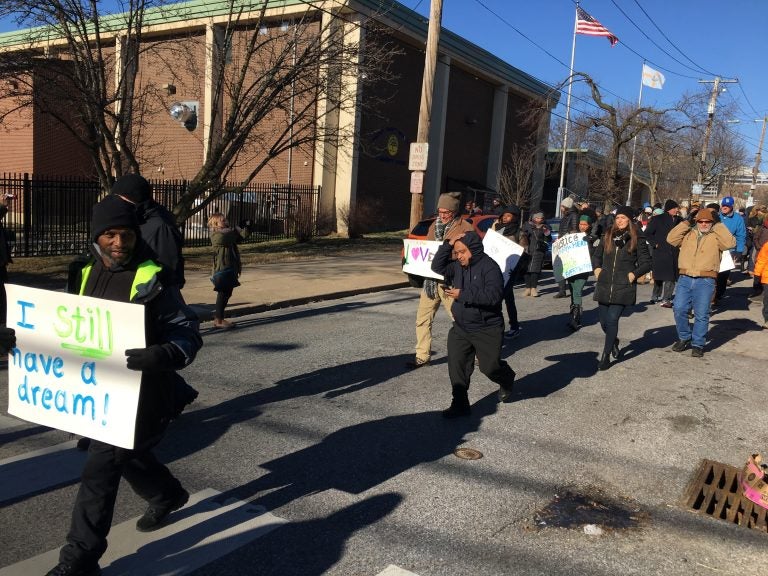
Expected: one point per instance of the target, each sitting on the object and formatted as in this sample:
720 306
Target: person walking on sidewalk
476 287
120 271
537 240
508 225
701 248
619 260
663 254
448 226
576 283
226 263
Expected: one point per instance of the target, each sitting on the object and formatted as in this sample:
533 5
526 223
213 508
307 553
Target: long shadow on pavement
360 457
567 367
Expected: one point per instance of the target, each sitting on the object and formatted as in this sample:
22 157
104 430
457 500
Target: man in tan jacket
447 226
701 247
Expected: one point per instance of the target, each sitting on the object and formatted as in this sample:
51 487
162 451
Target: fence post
27 207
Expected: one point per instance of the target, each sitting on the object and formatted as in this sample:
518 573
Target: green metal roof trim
404 18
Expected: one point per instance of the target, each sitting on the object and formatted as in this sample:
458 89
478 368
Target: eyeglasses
445 212
704 221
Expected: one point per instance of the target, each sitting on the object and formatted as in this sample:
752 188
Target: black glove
7 340
155 358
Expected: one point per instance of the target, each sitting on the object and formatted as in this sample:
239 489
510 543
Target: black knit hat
134 187
626 211
670 204
113 212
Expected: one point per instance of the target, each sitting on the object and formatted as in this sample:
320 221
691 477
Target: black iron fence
51 216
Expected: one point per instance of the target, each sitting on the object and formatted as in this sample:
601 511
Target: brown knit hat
705 214
449 201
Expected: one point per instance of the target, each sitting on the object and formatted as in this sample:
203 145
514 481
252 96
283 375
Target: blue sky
722 38
711 37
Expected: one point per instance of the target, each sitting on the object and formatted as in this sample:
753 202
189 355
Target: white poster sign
68 370
570 256
418 255
505 252
726 261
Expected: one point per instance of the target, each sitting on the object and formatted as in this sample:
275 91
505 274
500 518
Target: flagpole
560 189
634 144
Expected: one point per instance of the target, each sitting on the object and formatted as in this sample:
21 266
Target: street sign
417 159
417 182
697 189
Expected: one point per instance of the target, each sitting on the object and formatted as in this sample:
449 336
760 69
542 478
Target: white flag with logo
652 78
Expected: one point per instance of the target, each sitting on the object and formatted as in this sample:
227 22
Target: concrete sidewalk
278 285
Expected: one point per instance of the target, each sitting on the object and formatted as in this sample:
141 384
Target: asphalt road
311 450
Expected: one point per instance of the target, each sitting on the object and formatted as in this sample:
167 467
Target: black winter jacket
613 285
481 284
160 233
168 321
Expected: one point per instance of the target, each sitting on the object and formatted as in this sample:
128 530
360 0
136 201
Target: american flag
585 24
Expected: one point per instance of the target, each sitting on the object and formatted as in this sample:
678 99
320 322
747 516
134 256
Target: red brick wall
168 149
269 128
15 136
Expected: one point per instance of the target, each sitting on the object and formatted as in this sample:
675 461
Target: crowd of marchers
688 253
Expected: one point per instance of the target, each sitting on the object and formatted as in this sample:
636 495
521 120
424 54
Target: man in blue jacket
475 283
735 224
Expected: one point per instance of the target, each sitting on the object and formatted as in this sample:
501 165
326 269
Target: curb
206 313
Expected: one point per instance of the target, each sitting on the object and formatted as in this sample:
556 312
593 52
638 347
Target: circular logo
393 145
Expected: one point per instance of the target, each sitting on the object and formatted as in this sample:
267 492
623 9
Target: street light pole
427 86
756 168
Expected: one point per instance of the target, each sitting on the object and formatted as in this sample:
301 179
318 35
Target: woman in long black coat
618 261
538 236
664 255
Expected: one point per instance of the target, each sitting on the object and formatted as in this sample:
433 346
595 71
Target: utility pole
425 109
710 117
756 168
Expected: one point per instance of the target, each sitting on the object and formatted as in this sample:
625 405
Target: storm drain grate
715 490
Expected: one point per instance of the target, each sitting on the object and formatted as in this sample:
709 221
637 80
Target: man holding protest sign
120 271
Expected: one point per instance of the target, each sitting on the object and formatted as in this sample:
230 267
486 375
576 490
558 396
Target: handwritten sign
68 370
505 252
570 256
418 255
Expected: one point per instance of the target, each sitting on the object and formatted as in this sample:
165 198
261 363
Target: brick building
477 115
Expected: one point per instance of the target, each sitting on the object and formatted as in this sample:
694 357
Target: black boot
605 362
575 322
459 405
616 351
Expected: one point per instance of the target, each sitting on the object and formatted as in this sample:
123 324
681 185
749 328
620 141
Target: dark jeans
486 343
663 290
609 322
531 279
95 502
721 284
222 298
509 301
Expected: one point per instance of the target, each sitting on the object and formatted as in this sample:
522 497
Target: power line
653 41
670 41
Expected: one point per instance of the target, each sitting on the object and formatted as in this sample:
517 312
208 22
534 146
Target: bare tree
516 175
274 89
